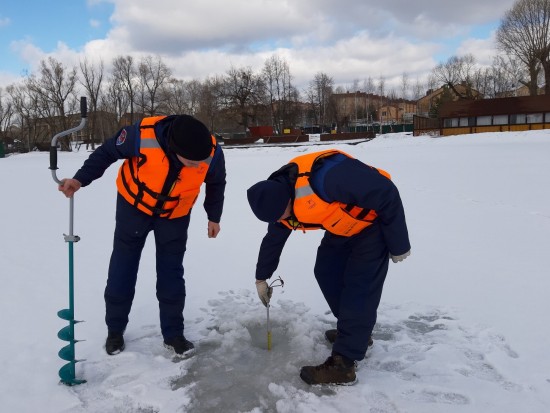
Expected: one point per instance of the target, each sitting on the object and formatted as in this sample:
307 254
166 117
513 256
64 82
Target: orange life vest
141 179
312 212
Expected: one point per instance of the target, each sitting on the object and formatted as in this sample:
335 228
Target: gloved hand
264 291
399 258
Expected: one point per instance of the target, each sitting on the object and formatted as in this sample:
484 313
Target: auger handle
83 107
53 147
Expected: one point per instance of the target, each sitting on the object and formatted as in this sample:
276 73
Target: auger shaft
67 373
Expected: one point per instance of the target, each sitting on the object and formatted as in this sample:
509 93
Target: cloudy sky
346 39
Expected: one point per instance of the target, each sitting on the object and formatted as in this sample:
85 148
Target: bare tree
194 92
26 114
54 89
175 95
417 89
115 100
241 93
483 81
524 32
211 102
124 80
457 74
294 109
318 94
381 87
368 86
180 96
501 78
6 112
404 85
91 79
153 74
278 82
55 85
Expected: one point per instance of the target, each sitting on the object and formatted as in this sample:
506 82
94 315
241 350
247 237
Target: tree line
36 108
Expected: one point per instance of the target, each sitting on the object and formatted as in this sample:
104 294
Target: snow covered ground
463 324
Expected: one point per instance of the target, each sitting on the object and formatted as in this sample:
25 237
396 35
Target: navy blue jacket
128 147
339 178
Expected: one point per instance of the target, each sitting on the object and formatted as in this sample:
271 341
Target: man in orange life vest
167 159
361 211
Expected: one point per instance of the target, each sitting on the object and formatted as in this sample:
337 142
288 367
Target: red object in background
261 131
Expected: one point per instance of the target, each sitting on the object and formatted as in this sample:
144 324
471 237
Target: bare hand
213 229
69 187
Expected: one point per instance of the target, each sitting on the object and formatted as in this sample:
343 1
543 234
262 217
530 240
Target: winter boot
337 369
330 335
114 343
179 344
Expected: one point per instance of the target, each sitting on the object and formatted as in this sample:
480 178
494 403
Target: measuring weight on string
278 282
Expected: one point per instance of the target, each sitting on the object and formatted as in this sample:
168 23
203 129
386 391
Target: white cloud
28 52
33 55
483 49
348 39
8 79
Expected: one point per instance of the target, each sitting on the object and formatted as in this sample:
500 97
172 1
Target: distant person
360 209
167 159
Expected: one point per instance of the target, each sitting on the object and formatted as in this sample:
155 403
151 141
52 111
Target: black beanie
268 200
190 138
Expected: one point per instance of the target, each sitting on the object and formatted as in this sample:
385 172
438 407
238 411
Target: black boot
179 344
114 343
330 335
337 369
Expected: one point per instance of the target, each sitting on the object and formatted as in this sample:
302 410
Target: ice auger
67 372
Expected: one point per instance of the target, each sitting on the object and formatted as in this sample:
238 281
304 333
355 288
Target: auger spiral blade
66 314
67 374
67 353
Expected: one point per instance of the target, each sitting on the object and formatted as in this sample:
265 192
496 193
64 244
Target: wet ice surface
421 361
233 356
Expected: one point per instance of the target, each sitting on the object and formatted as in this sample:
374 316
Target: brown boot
330 335
337 369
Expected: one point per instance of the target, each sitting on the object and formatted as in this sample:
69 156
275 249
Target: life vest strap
357 212
142 189
294 224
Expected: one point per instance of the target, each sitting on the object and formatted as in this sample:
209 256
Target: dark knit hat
190 138
268 200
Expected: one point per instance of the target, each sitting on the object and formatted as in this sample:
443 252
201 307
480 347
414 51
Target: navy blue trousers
132 228
351 272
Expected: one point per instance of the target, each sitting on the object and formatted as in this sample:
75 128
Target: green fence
2 151
401 127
